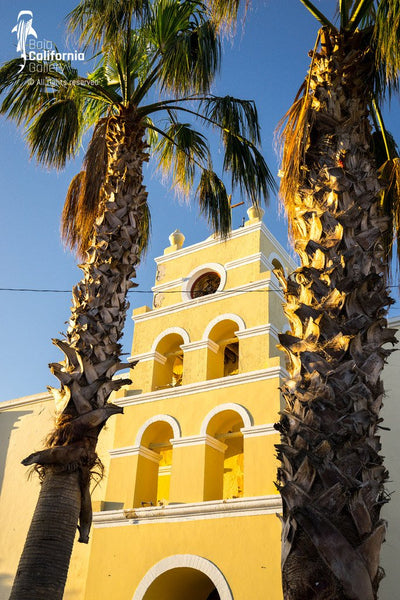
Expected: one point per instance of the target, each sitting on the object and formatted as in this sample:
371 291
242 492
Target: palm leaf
188 46
387 36
55 133
214 202
180 150
83 199
101 22
249 171
224 13
234 115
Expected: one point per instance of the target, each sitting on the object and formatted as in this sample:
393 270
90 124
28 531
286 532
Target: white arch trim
243 412
226 317
178 330
197 272
190 561
164 418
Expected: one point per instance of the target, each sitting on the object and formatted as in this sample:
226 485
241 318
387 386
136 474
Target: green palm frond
181 149
387 37
101 22
25 92
55 133
325 22
362 11
224 13
188 46
249 171
84 194
389 177
234 115
214 202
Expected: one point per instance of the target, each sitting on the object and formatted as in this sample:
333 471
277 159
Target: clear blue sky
267 62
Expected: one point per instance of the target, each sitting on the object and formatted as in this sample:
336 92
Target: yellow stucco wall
23 426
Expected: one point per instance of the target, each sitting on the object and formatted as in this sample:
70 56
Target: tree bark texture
43 566
331 476
92 357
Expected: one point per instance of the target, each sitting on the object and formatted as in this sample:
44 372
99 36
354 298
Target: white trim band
201 345
259 430
267 329
197 440
146 356
202 386
247 260
214 509
135 451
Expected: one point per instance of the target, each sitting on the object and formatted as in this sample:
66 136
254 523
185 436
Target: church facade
188 508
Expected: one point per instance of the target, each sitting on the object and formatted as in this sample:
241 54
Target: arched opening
154 469
168 369
183 577
225 361
181 584
225 427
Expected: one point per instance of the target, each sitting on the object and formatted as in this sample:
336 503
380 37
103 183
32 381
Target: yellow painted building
187 510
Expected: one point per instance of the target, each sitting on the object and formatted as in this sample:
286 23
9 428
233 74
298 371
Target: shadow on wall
8 423
5 585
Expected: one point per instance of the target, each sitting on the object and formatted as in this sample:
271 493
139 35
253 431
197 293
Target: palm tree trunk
92 353
331 476
43 567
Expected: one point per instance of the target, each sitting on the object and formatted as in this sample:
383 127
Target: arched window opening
207 283
231 359
155 474
226 360
168 369
225 427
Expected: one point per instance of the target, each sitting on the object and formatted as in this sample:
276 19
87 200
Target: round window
207 283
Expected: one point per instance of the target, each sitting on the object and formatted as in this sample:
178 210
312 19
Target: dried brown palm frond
389 176
83 197
293 139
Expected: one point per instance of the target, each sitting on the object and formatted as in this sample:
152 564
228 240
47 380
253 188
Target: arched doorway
182 584
183 577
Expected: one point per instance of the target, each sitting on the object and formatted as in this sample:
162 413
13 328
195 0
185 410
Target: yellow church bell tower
190 506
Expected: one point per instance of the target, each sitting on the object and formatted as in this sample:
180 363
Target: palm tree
341 189
340 185
142 47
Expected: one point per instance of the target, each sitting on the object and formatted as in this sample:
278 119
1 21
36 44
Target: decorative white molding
177 330
237 233
196 273
190 561
162 287
224 317
268 329
165 470
176 428
193 511
202 386
267 283
147 356
201 345
135 451
247 260
259 430
237 408
26 401
197 440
